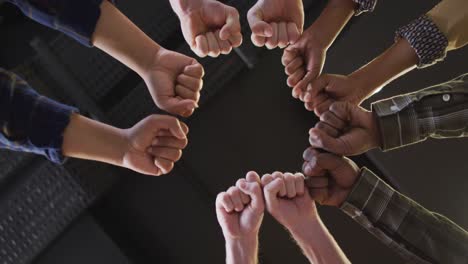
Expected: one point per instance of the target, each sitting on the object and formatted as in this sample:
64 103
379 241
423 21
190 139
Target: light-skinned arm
240 213
173 79
150 147
288 201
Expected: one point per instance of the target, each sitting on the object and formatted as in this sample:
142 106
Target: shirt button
446 97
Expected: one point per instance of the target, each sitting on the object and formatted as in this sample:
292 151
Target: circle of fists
240 209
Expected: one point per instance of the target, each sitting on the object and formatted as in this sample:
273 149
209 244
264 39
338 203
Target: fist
346 129
174 81
288 200
154 145
330 177
210 27
240 209
276 23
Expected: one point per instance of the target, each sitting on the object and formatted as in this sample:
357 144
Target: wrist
151 61
85 138
331 21
364 83
242 250
304 230
184 7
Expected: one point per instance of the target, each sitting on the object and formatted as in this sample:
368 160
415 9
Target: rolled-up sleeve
364 6
440 30
77 19
440 111
30 122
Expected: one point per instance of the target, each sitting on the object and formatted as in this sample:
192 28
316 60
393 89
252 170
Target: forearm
116 35
414 232
181 7
439 111
399 59
242 251
317 244
332 20
91 140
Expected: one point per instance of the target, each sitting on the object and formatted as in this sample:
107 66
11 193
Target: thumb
232 25
318 85
174 126
253 190
320 139
256 23
178 106
342 110
328 162
271 192
353 114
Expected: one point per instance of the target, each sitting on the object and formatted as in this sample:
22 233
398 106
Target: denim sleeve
30 122
75 18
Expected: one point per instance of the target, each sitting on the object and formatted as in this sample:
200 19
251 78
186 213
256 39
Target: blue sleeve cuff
75 18
30 122
47 125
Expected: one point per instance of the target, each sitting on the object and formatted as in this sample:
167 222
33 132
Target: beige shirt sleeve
451 17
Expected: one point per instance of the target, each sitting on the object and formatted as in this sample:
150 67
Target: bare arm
88 139
317 244
119 37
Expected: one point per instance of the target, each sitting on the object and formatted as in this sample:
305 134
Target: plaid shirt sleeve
418 235
440 111
30 122
75 18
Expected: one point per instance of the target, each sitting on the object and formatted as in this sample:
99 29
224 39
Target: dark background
248 121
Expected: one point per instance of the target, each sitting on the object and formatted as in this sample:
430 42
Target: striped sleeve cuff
426 39
365 6
398 124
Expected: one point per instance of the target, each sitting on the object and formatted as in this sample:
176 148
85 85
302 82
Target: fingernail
155 142
308 97
149 150
243 184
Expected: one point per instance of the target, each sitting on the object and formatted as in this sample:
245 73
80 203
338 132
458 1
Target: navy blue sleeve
30 122
75 18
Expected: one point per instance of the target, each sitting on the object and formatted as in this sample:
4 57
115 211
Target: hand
209 27
288 200
328 88
276 23
154 145
174 81
345 129
304 61
240 209
331 177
